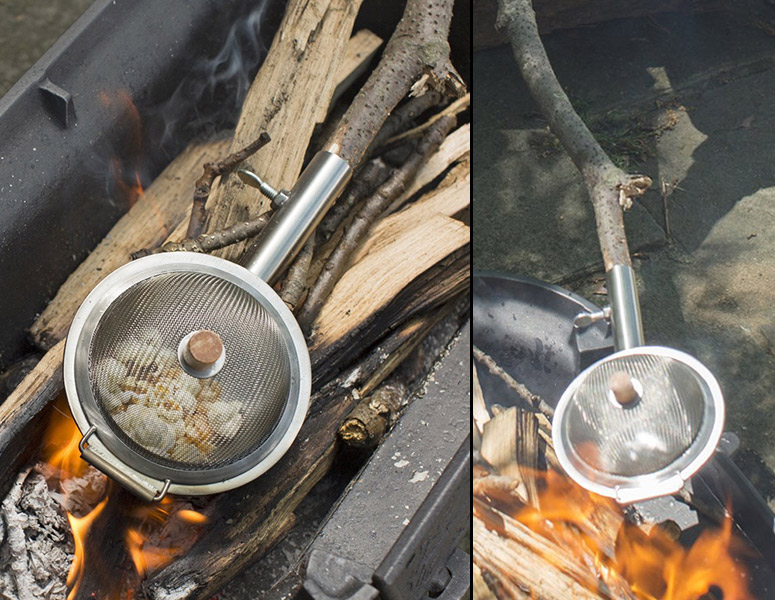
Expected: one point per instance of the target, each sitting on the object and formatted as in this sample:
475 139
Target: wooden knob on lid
203 349
622 386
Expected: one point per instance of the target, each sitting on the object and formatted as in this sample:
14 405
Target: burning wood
419 256
538 534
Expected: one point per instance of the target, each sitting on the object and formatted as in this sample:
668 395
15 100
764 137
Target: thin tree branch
416 58
207 242
402 116
494 368
368 177
372 209
455 109
211 170
295 282
609 188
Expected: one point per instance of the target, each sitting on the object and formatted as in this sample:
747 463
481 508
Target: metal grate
642 438
167 415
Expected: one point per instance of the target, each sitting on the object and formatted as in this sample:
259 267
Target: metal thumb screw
584 320
278 198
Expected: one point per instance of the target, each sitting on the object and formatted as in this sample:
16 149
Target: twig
402 116
667 190
211 170
457 107
609 188
207 242
372 209
382 402
371 417
368 177
295 282
416 58
532 399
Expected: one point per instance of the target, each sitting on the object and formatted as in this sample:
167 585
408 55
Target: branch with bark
208 242
211 171
365 180
295 283
417 58
610 189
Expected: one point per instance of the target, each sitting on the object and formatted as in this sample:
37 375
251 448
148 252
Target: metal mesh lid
160 411
647 434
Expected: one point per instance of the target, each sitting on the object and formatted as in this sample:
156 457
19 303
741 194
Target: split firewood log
291 93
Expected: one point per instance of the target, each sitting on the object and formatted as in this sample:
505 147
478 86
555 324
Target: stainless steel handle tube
316 189
625 309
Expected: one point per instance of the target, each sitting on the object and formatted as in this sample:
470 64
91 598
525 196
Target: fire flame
156 533
80 527
160 533
653 563
126 171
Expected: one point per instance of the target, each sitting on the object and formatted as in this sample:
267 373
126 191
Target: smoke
210 96
207 100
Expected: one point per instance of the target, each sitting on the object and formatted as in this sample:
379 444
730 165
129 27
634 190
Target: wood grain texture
290 94
451 196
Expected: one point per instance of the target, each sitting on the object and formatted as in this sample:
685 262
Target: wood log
455 148
150 220
381 403
371 295
451 196
481 589
291 93
358 54
521 571
553 15
20 414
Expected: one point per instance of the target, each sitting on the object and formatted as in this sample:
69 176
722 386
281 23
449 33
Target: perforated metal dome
160 410
647 443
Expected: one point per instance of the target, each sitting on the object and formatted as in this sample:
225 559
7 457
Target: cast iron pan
526 325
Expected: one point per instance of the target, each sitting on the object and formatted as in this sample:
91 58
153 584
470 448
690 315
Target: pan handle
625 309
278 243
93 452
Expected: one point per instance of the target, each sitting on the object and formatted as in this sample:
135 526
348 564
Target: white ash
36 544
36 547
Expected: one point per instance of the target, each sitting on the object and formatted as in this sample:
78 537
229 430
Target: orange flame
655 565
161 533
129 183
80 527
158 532
658 567
60 443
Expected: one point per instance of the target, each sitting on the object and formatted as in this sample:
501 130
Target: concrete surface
686 100
27 30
